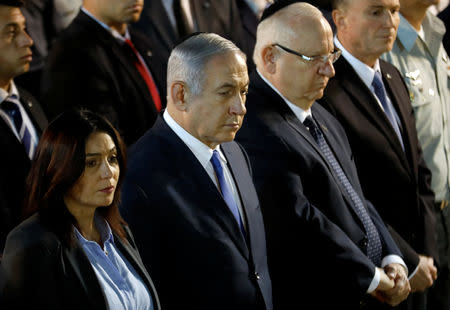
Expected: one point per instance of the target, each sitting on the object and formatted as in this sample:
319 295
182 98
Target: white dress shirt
203 153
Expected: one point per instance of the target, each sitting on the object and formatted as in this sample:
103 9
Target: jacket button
257 276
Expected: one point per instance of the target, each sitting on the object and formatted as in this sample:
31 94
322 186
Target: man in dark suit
320 229
100 63
369 98
165 22
21 118
188 194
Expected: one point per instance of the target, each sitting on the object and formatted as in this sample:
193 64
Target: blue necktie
226 190
380 91
11 107
374 247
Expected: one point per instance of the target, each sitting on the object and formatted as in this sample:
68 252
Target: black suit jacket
189 238
14 166
218 16
314 234
397 182
43 273
88 67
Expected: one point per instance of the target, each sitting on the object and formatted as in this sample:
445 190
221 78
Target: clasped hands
394 286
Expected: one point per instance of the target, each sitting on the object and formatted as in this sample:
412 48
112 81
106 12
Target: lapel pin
149 53
30 104
388 76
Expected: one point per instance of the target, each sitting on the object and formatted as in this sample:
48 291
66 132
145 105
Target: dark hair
59 163
14 3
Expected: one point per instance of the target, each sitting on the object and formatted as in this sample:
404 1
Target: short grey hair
188 59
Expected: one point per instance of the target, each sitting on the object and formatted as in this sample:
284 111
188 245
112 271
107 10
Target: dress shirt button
257 276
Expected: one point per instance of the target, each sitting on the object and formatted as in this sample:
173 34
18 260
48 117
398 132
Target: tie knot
377 80
309 122
10 106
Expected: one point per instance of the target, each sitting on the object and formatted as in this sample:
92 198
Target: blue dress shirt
121 284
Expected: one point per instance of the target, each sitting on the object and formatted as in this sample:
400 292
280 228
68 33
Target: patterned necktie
226 190
143 71
380 91
11 107
374 247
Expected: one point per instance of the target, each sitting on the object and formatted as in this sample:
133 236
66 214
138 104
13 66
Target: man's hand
395 294
425 274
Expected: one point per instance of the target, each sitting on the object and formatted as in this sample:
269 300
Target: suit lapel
402 111
292 120
161 22
364 98
33 109
124 58
133 257
205 190
86 275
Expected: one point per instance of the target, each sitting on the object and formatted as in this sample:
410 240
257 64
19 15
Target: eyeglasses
313 59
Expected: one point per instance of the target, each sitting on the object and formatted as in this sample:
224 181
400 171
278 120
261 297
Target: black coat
397 182
43 273
15 165
88 67
188 236
315 239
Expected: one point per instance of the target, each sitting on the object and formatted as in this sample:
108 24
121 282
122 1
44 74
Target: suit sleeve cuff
375 281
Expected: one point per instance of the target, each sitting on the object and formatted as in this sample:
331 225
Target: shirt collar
114 33
103 228
365 72
299 112
406 34
13 92
200 150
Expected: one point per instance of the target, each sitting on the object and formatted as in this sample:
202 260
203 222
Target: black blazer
188 236
88 67
43 273
14 166
313 233
218 16
397 182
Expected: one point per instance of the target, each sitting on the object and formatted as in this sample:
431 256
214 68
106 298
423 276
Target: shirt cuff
375 281
413 273
389 259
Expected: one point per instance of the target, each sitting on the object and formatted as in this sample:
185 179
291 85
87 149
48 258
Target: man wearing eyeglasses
370 99
326 243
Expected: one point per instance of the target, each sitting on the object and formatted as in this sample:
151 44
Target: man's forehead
10 15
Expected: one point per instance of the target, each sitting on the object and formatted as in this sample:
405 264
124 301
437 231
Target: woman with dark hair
75 251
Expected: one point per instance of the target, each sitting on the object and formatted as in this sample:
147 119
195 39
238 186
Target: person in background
21 117
419 55
74 250
188 193
99 62
369 98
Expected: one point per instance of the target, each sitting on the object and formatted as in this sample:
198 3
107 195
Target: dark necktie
374 247
380 92
140 66
183 26
226 190
11 107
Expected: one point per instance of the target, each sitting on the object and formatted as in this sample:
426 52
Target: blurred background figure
420 56
99 62
74 251
250 12
21 118
165 22
45 19
444 15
